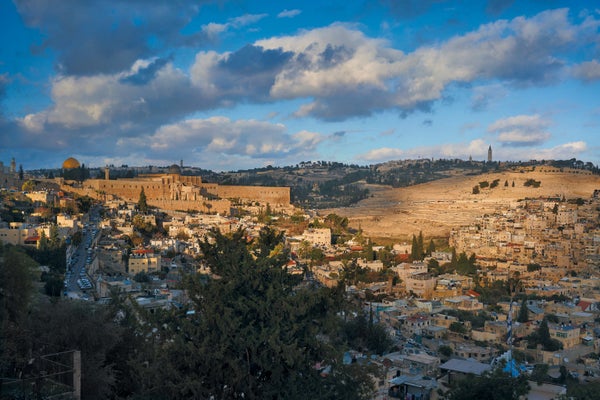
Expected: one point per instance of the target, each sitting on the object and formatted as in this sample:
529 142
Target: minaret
490 153
13 165
106 173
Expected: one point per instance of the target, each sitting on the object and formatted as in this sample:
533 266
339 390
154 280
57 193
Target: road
77 281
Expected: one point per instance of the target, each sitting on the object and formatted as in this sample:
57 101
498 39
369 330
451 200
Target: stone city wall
263 194
176 192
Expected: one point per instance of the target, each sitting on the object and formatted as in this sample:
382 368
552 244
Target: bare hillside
436 207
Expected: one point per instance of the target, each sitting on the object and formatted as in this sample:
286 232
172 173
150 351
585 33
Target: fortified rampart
173 191
275 196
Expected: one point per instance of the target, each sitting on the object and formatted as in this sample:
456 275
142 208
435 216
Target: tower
490 154
106 173
13 165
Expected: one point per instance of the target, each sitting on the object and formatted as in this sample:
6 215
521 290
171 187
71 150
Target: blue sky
229 85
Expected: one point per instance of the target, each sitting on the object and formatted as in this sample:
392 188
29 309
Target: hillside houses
549 234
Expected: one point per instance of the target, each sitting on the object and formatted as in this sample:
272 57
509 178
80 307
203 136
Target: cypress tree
414 252
142 204
523 312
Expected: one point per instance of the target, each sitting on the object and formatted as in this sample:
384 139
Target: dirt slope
436 207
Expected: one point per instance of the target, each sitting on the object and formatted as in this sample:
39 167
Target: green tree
458 327
80 326
253 334
43 244
142 202
54 239
16 293
430 247
445 351
542 336
464 265
16 283
415 254
540 373
577 391
53 285
495 385
523 312
28 186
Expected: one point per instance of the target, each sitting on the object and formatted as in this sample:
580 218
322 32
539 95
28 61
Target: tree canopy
253 333
495 385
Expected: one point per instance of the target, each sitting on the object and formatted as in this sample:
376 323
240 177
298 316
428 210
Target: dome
70 163
174 169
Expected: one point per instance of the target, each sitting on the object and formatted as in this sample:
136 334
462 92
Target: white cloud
382 154
521 130
564 151
221 135
81 102
522 137
289 13
213 29
347 73
587 71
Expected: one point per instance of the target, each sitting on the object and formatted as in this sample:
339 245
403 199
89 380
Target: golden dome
70 163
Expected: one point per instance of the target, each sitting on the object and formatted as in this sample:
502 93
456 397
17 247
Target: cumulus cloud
248 73
199 138
348 74
587 71
340 72
337 72
144 93
521 130
289 13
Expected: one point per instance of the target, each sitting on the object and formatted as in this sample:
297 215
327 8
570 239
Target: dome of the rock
70 163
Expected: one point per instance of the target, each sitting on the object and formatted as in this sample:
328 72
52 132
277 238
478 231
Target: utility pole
77 375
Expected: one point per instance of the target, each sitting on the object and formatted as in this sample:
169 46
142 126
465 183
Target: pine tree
420 245
253 333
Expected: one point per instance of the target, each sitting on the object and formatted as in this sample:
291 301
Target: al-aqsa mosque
174 191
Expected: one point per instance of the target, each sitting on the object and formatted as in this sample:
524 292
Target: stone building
173 191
